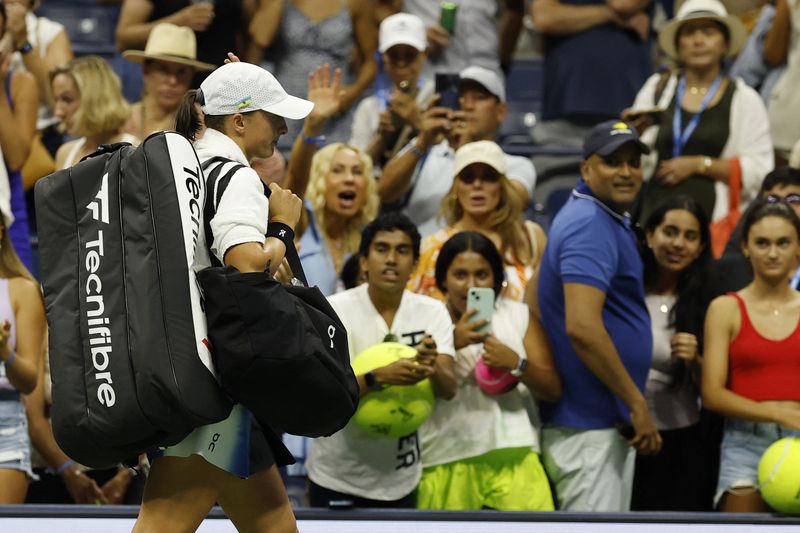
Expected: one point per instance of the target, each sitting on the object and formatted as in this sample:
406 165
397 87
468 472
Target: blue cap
606 137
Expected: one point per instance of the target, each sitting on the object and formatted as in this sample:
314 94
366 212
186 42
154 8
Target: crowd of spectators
651 322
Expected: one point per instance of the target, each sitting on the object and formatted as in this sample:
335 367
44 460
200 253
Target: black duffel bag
280 350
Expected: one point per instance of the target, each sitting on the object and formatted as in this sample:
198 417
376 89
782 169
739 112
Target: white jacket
749 139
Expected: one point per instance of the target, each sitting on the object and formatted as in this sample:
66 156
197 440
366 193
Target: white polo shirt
352 461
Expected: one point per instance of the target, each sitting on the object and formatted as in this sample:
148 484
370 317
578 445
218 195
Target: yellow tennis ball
397 410
779 475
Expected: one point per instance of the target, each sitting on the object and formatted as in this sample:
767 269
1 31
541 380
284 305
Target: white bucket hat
702 9
171 43
241 87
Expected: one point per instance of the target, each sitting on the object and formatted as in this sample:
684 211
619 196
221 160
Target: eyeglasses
791 199
615 160
468 177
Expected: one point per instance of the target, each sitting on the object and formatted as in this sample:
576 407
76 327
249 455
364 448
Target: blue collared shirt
591 244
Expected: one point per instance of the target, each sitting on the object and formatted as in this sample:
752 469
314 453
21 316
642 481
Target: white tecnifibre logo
99 206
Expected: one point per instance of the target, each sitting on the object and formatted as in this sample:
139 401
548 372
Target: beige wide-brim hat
702 9
171 43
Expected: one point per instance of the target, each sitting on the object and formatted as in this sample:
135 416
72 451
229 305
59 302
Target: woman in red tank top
751 373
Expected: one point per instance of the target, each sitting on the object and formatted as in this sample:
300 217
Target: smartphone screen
447 89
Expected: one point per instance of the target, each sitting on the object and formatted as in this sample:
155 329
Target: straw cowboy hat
168 42
702 9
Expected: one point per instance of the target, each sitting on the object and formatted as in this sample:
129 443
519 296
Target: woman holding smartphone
751 372
482 199
481 450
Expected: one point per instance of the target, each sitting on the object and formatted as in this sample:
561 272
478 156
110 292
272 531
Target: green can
448 17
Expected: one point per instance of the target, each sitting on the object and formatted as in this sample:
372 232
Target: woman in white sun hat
244 110
706 129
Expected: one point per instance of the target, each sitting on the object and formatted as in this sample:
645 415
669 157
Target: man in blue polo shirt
591 295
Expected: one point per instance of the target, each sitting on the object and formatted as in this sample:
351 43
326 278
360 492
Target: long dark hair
187 119
474 242
693 295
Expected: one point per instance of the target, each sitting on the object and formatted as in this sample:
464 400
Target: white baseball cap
487 152
241 87
490 80
402 28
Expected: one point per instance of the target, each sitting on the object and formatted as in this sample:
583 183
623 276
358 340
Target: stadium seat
89 24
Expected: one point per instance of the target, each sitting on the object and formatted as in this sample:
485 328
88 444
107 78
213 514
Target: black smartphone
446 86
626 430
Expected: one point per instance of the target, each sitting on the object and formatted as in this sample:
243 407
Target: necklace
698 90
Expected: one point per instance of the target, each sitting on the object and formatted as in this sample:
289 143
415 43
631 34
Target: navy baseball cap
606 137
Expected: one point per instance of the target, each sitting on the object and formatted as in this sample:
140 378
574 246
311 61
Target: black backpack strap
215 187
105 149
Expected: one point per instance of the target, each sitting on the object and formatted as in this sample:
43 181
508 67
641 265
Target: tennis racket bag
118 234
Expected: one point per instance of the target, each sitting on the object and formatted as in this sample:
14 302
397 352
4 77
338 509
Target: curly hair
506 219
103 108
320 167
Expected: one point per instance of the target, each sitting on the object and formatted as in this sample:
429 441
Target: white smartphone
482 299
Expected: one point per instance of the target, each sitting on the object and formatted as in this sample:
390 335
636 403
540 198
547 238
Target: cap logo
620 128
244 102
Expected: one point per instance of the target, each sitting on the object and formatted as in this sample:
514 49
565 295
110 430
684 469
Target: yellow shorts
510 479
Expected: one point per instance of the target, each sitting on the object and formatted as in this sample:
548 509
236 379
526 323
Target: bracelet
416 151
280 231
64 466
318 140
10 359
705 165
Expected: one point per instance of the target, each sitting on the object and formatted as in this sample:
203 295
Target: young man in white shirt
353 467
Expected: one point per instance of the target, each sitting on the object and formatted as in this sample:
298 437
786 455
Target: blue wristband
63 468
319 140
10 360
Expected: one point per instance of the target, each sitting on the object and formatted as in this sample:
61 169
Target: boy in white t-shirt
352 467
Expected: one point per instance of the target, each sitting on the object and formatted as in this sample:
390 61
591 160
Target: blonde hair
10 264
320 167
505 219
103 108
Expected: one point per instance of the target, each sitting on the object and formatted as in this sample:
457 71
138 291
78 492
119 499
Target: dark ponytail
187 119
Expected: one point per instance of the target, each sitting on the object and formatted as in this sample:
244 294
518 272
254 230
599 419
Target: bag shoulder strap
215 187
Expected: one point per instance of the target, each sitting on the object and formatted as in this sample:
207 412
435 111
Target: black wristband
280 231
372 382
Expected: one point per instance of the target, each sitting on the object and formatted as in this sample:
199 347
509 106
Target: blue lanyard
795 282
679 138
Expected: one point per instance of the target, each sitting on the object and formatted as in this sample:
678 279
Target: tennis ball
397 410
779 475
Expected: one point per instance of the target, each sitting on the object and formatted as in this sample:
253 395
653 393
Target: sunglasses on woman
468 177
